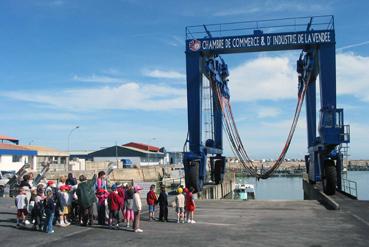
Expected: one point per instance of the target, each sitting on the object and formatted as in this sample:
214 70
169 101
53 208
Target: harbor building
13 156
58 160
130 154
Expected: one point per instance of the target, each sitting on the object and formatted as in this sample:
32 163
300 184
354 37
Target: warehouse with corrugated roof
136 153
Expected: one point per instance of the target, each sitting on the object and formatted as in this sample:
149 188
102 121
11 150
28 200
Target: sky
117 70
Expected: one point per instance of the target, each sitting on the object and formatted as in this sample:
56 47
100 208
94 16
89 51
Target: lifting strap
234 138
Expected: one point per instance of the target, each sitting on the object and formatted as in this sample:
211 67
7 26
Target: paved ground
219 223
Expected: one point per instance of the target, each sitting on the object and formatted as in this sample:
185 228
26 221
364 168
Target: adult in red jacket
151 200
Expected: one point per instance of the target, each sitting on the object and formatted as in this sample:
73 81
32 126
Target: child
180 201
62 181
101 195
38 208
185 192
129 205
190 206
75 216
163 203
114 203
21 202
49 211
121 192
151 200
137 208
63 199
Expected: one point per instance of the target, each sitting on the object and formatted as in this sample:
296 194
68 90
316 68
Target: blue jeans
151 208
48 226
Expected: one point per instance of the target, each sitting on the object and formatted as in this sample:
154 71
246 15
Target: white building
58 160
13 157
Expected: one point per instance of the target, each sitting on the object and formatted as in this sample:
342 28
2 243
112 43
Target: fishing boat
244 192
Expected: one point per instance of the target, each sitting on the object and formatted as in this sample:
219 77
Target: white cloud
97 78
166 74
265 112
353 45
125 96
263 78
359 140
175 41
275 78
353 75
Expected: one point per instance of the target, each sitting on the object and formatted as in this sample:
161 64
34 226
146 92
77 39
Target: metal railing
324 22
349 186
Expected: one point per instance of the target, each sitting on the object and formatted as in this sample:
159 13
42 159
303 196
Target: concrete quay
219 223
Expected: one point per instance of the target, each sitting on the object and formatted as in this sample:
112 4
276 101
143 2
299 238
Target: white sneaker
63 224
193 222
188 221
27 222
138 230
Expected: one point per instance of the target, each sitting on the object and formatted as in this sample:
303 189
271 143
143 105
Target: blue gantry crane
315 37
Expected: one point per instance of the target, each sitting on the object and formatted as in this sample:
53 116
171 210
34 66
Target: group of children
184 204
59 204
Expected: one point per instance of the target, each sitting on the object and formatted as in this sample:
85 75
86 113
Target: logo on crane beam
194 45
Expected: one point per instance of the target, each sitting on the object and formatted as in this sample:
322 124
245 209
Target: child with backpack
151 200
114 202
38 209
180 203
129 205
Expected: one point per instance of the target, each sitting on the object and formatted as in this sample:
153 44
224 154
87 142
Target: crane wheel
192 176
330 180
218 171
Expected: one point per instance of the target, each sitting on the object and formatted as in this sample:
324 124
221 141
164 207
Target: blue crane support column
218 123
311 113
195 160
327 75
194 103
330 135
220 161
313 170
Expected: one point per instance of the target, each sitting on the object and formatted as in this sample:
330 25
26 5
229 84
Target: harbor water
290 188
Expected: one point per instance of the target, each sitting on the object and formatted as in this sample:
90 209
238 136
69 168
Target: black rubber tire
192 176
2 189
218 171
330 180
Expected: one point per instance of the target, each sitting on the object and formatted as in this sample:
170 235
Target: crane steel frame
315 36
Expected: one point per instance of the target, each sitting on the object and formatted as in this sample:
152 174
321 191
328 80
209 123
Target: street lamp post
70 133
